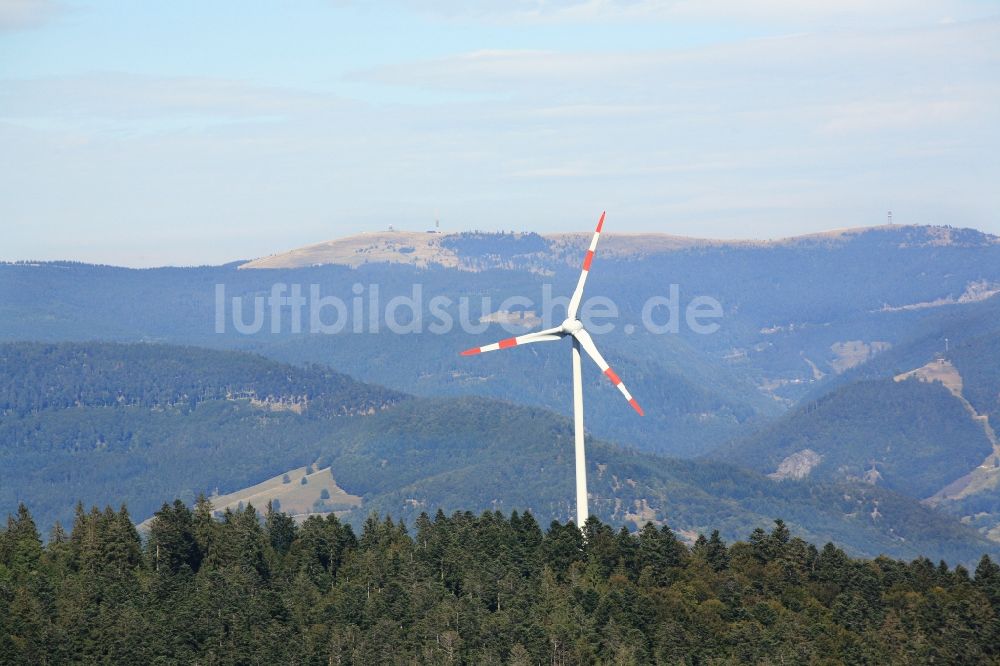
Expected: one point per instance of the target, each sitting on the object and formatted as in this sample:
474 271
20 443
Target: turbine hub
572 325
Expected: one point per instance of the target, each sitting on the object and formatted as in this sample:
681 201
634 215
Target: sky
182 133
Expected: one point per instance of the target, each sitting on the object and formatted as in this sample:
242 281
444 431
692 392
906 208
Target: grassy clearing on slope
299 500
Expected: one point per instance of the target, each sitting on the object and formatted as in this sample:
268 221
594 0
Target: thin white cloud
833 60
23 14
908 115
121 95
780 12
929 79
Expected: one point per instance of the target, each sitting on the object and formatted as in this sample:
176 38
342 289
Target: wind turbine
573 328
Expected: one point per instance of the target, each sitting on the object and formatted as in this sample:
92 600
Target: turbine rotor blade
548 335
588 346
574 302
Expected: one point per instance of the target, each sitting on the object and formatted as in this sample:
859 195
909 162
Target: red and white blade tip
617 381
503 344
600 222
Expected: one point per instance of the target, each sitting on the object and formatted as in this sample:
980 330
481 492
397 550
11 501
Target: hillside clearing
299 500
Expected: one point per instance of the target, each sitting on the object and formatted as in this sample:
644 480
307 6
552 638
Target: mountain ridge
431 248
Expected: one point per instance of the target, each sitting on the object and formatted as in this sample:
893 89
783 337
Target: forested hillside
911 436
962 333
467 589
978 361
420 455
135 423
37 376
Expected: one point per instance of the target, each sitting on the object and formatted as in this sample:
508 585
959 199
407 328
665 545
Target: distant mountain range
475 251
799 380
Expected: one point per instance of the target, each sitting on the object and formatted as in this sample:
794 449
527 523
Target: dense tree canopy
487 589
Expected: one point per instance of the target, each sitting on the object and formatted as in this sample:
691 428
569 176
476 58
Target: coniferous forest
257 588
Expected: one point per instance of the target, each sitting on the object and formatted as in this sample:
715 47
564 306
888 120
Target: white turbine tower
573 328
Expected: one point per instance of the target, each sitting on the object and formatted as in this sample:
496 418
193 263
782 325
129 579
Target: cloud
116 95
889 115
23 14
828 60
780 12
927 81
490 70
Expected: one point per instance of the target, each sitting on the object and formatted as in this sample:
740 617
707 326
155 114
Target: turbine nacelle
571 326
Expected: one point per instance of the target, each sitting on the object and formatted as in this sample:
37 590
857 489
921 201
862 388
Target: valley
137 422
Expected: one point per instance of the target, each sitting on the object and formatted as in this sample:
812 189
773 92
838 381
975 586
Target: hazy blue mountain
978 361
963 333
910 436
693 400
933 439
801 316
